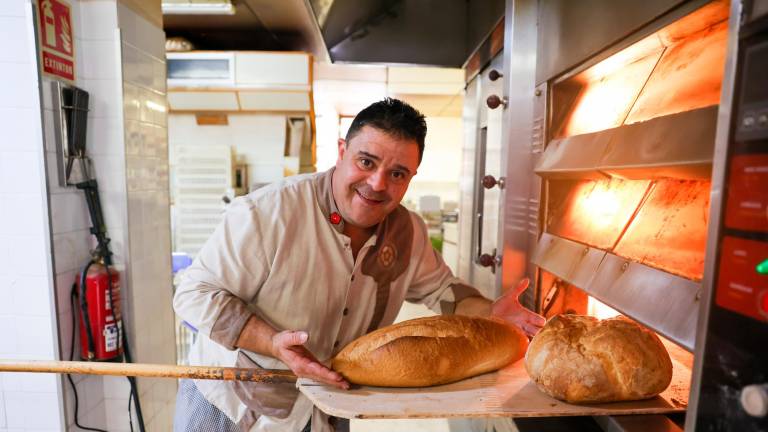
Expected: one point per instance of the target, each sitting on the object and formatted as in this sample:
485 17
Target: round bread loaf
581 359
430 351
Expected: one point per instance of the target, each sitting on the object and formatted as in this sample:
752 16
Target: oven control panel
742 284
742 276
732 391
752 119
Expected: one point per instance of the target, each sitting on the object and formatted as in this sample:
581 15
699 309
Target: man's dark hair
394 117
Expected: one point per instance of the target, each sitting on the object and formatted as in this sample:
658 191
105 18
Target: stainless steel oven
624 163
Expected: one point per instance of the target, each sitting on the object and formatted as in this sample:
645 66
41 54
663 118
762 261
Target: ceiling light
207 8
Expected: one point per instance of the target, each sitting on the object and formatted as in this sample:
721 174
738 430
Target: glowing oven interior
647 216
661 223
677 69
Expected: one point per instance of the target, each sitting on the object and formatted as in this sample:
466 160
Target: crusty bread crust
580 359
430 351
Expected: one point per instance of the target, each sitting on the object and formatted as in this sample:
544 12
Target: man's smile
370 201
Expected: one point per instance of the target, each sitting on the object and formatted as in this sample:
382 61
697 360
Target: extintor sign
57 45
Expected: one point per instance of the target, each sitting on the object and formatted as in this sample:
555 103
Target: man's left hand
508 308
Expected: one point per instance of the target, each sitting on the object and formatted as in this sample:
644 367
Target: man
300 268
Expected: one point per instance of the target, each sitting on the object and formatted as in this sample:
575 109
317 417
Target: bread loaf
430 351
581 359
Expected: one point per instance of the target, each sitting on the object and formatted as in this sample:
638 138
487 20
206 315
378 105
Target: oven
625 168
619 159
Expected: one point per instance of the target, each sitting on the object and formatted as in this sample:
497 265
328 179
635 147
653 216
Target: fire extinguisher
98 299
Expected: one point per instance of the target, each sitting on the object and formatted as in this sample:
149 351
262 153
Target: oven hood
424 32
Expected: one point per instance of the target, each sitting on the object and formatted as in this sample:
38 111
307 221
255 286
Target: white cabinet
272 69
251 81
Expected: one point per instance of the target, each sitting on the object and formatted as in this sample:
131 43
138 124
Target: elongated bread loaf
430 351
581 359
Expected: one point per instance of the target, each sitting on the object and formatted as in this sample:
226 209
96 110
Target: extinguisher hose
72 357
84 311
127 354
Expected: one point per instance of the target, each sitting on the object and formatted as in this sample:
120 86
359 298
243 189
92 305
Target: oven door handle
488 260
490 181
483 259
479 233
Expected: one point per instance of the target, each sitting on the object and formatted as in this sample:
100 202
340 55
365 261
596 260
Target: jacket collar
324 194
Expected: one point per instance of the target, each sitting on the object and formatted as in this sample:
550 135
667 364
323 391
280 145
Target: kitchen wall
259 139
440 168
120 62
98 72
27 310
148 269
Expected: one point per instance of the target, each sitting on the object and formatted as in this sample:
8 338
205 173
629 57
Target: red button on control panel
740 288
764 303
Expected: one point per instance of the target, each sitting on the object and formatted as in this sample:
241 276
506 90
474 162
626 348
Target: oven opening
661 223
626 178
561 297
676 69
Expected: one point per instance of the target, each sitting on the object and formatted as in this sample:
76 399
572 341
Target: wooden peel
267 376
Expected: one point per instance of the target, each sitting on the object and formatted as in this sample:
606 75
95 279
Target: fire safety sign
56 43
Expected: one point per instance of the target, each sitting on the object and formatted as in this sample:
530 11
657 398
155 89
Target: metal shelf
677 145
664 302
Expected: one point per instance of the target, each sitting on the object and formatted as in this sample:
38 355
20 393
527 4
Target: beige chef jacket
278 254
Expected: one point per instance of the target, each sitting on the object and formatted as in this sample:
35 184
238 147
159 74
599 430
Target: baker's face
372 174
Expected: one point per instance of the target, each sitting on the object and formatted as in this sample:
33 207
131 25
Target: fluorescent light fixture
202 8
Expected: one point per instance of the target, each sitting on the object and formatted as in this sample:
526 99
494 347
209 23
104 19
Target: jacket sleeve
226 275
433 284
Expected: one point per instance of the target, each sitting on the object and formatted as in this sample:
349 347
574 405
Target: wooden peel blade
267 376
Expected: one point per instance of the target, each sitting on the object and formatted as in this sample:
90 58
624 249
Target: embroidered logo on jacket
387 256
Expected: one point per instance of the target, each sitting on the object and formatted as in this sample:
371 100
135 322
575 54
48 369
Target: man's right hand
288 347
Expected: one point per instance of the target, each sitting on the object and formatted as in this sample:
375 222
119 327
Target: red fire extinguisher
99 313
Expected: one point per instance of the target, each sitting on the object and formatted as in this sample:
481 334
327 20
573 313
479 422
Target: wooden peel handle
267 376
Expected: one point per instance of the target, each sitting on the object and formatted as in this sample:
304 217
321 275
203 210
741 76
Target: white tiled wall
97 71
38 259
69 213
146 169
27 315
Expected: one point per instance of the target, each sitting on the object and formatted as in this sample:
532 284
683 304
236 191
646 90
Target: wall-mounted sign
57 44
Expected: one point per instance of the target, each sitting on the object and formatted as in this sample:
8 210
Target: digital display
755 70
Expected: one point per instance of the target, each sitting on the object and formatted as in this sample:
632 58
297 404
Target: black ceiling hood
419 32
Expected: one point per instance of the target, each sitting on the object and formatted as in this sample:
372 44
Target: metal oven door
483 120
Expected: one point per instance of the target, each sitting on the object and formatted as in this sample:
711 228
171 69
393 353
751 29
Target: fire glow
661 223
676 69
594 212
600 206
605 102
